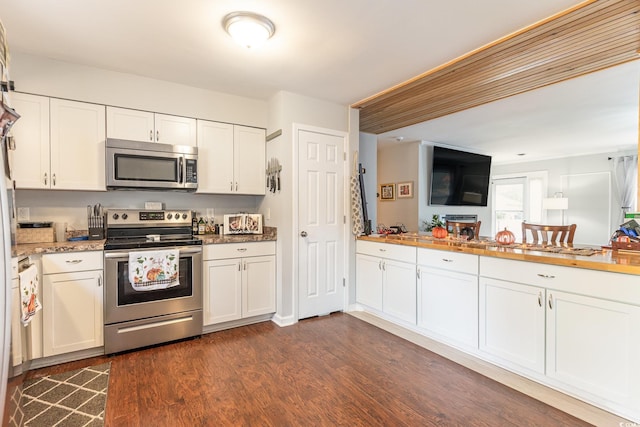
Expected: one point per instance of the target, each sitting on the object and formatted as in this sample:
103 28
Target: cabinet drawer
387 250
71 261
239 250
453 261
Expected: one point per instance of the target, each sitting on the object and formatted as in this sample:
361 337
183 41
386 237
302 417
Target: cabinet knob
303 234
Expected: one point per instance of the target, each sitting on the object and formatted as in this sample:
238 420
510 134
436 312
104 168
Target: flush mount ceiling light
248 29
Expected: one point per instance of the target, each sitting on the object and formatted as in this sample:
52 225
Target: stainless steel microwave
137 165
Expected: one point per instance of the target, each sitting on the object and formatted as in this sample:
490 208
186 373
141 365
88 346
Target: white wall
399 163
285 111
48 77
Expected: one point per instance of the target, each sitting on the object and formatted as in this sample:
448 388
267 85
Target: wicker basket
35 235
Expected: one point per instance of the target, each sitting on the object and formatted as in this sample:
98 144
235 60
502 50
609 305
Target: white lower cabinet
239 281
386 279
577 330
72 301
448 296
512 324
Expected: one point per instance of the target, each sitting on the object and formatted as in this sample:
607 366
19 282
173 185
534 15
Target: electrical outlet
23 214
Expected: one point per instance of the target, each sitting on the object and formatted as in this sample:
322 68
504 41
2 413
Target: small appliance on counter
243 223
95 222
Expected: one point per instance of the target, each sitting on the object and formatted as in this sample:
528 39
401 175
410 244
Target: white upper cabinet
31 157
231 159
136 125
77 145
59 144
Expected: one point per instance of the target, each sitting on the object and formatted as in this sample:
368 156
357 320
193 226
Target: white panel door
512 323
134 125
320 223
31 132
593 345
249 160
222 282
175 130
215 157
77 145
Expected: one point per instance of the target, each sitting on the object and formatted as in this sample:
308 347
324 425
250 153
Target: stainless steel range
153 278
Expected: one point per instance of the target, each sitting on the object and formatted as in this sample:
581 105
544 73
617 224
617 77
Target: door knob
303 233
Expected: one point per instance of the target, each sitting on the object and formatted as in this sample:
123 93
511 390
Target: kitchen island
569 322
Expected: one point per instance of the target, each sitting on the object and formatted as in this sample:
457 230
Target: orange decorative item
439 232
505 237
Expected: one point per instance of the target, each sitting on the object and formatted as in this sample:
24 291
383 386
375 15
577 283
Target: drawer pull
447 260
241 249
73 261
382 250
546 276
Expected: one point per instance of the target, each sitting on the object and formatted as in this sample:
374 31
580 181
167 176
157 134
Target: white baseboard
284 321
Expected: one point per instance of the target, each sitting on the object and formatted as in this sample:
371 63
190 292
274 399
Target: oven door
123 303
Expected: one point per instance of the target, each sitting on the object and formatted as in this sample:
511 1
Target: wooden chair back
549 234
457 227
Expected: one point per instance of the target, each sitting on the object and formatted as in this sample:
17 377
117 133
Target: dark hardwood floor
332 370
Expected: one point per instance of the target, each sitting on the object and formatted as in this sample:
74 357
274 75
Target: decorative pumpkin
439 232
505 237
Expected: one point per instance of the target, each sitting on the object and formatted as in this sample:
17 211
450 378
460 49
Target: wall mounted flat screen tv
459 178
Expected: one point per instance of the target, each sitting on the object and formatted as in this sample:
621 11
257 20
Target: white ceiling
336 50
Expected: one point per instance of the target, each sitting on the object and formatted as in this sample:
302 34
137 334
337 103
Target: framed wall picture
387 192
405 190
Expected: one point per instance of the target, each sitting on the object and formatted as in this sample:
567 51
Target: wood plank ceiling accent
592 36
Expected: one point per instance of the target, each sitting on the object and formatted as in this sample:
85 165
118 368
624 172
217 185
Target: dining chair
471 229
549 234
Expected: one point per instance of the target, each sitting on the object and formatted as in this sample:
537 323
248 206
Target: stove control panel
132 217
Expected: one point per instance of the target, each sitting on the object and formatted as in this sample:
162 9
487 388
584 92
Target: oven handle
126 254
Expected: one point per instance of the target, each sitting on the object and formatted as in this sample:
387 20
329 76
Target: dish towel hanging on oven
29 293
153 270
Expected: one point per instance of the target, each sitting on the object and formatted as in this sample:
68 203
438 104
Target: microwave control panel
192 171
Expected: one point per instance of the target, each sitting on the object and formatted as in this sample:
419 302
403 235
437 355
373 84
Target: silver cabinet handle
303 234
551 301
157 135
540 298
418 272
99 281
231 186
236 185
73 261
239 266
380 265
546 276
384 266
151 135
46 177
53 179
244 265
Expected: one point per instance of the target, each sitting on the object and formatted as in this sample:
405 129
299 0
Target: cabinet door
258 285
16 324
593 346
249 160
30 160
369 281
72 310
448 304
222 291
175 130
512 323
134 125
399 290
77 145
215 157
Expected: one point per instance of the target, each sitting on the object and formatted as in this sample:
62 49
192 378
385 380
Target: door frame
297 127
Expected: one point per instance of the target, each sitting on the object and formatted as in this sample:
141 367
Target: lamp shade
555 203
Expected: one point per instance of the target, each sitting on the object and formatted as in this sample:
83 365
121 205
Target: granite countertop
599 259
26 249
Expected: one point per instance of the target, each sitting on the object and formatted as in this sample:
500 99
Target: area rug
74 398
